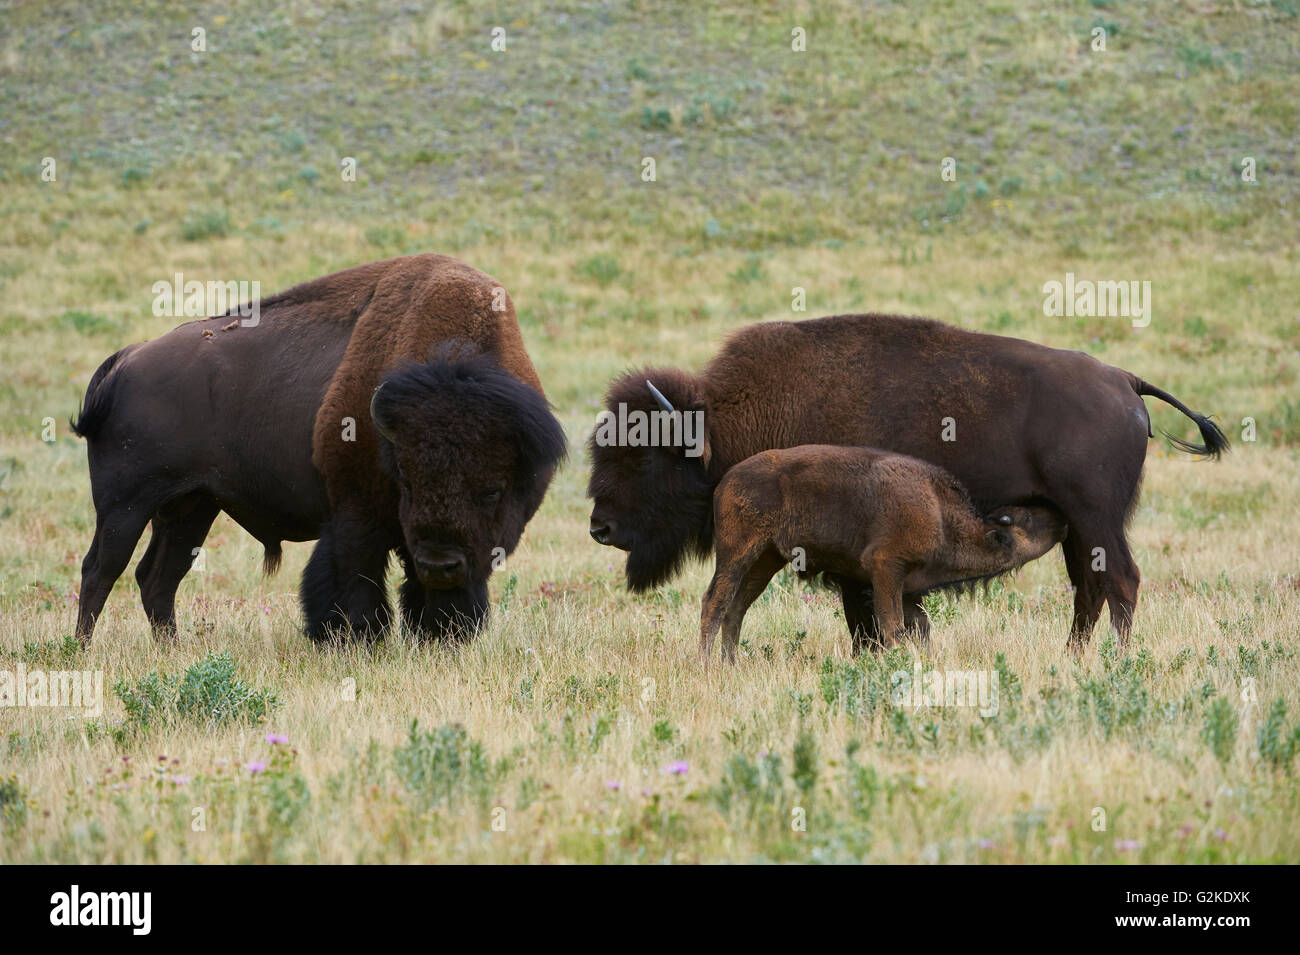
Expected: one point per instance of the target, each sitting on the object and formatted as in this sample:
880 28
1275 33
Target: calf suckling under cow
1015 422
886 520
386 408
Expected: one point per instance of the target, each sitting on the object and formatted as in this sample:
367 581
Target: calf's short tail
1216 442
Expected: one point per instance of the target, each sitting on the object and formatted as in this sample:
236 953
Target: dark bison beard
453 615
674 533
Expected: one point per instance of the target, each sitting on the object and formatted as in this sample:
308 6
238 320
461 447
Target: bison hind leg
1103 571
117 532
179 530
1122 597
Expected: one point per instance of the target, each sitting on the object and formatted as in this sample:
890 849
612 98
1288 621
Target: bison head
1023 533
471 449
650 481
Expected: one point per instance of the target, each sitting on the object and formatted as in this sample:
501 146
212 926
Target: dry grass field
579 725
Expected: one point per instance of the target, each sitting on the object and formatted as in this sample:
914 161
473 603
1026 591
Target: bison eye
488 498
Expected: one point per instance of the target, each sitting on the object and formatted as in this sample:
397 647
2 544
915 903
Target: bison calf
888 520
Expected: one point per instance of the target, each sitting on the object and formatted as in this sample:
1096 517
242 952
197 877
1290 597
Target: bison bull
389 407
887 520
1014 421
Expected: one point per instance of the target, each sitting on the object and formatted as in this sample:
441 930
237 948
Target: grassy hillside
580 720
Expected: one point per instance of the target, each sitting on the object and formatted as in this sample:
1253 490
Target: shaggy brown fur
1029 424
255 420
892 521
411 305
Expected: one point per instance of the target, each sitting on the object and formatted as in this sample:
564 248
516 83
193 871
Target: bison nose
602 532
441 570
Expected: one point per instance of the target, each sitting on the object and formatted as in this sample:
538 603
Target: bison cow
388 407
1015 422
887 520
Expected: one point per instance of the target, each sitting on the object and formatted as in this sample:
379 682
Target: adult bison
1016 422
389 407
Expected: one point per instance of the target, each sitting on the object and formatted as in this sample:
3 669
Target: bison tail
98 400
271 555
1216 442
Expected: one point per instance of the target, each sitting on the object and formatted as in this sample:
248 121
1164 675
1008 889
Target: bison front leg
757 578
915 620
455 615
343 583
410 595
717 598
887 594
742 570
860 614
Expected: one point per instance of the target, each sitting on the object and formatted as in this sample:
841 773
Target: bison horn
386 432
659 397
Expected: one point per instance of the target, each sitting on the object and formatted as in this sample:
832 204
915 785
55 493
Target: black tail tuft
98 400
1216 442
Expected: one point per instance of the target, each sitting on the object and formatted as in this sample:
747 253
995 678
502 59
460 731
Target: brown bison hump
413 305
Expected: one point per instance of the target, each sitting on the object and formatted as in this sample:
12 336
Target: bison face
650 482
1026 533
471 449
